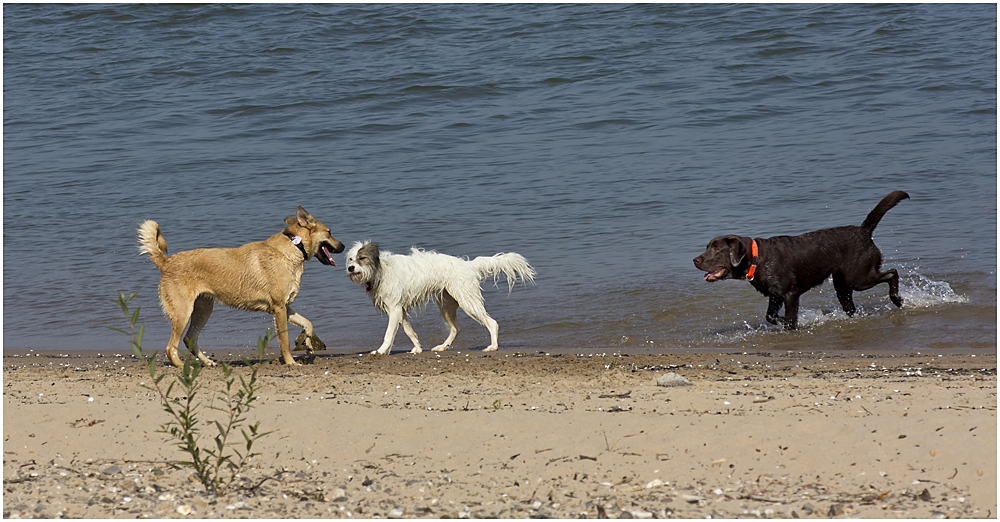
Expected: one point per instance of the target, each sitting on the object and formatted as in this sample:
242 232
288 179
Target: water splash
745 333
919 291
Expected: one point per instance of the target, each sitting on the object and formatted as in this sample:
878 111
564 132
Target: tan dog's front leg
281 327
307 340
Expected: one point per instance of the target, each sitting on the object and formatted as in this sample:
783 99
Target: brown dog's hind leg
844 294
892 277
874 278
199 316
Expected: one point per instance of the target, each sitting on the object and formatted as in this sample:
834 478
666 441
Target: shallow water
606 143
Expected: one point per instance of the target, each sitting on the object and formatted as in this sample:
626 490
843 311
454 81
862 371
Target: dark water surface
606 143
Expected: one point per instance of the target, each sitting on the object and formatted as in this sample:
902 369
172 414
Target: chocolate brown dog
785 267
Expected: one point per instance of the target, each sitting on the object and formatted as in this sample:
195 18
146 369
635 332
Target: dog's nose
350 268
697 262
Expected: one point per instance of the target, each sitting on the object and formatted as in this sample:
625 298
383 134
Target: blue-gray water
606 143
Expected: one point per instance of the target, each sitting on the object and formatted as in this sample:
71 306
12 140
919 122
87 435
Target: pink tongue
329 255
714 276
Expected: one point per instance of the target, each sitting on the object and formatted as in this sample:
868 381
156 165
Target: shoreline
569 434
41 357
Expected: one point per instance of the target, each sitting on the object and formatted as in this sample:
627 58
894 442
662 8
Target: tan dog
260 277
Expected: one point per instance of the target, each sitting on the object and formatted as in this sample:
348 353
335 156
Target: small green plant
262 343
219 464
132 318
497 405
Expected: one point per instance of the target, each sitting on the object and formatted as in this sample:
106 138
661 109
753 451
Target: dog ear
304 218
737 251
371 250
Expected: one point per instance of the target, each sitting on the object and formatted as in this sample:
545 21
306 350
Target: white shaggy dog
397 283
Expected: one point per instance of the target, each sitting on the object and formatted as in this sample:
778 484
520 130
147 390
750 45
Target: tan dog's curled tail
510 264
151 242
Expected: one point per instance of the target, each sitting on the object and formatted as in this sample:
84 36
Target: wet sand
523 434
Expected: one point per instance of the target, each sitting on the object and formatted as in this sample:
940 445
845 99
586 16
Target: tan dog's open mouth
325 254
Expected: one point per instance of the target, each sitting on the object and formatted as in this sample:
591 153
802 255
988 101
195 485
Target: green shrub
218 464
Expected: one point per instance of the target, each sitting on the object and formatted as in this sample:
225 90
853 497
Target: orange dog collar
753 255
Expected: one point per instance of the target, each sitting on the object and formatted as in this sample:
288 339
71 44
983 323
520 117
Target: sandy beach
523 435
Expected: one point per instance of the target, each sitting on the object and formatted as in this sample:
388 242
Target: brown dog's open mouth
715 276
325 254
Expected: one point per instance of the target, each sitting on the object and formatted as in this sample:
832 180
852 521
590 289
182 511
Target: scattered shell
184 509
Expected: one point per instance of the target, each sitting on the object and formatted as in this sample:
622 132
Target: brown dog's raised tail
883 206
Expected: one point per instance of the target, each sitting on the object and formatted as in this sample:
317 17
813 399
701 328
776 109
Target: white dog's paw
440 348
382 350
417 349
490 349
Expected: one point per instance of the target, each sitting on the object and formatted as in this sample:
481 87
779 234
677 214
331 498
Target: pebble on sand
672 379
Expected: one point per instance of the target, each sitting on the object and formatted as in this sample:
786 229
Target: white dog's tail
511 265
151 242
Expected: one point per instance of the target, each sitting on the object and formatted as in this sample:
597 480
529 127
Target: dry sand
518 435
